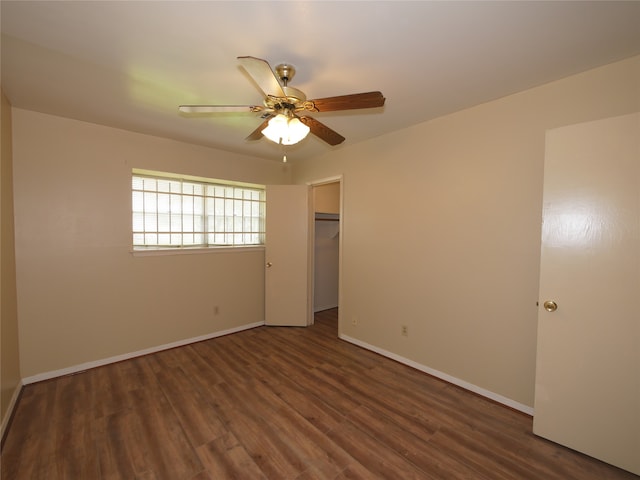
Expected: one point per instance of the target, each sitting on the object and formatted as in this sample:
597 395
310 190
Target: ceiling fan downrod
285 72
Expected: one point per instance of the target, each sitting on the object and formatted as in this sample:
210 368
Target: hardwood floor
274 403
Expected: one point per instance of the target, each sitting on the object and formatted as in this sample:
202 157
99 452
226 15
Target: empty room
320 240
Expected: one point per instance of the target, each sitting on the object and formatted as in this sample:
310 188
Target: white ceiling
130 64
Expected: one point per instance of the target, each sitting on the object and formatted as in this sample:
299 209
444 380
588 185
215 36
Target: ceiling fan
284 107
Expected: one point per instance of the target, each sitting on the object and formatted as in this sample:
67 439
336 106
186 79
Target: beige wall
9 356
326 198
450 244
82 296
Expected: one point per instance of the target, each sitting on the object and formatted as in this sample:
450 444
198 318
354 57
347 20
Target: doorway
326 201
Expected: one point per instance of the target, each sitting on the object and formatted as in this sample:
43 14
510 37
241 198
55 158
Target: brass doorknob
269 264
550 306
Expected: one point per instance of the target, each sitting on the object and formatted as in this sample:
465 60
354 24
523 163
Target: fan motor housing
285 72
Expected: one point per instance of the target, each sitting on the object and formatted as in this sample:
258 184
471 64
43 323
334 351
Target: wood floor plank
119 446
169 452
192 409
226 458
271 453
382 400
416 449
275 403
380 462
312 407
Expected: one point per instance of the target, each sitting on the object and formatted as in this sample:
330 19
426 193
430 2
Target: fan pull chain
284 154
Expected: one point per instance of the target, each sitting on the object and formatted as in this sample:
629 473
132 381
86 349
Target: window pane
150 204
150 222
163 203
164 239
137 183
176 223
150 239
163 186
137 201
138 239
198 205
149 183
164 222
138 222
219 207
198 223
187 205
187 223
237 207
176 203
210 206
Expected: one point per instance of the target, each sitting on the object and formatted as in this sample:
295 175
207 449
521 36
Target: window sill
157 252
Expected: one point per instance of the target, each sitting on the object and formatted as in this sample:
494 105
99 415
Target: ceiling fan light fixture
285 130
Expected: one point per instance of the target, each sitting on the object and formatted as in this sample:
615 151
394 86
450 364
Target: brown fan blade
321 131
219 108
257 133
263 75
348 102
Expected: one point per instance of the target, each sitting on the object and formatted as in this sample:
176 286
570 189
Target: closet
326 202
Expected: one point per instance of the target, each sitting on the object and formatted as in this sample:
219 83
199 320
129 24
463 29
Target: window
179 212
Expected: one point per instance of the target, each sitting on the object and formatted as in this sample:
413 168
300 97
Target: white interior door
587 394
287 256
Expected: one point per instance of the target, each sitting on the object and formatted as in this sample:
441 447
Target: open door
288 256
587 394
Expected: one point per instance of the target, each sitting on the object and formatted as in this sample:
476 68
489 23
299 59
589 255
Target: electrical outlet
404 330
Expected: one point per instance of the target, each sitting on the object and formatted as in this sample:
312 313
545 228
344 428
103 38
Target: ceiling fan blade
349 102
257 133
263 75
219 108
321 131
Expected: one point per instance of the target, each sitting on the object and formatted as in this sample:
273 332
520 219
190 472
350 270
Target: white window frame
173 213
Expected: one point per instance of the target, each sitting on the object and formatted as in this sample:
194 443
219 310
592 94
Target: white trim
12 405
127 356
443 376
323 181
321 308
158 252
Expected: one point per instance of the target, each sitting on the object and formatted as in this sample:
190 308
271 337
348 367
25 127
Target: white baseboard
12 405
324 307
443 376
118 358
